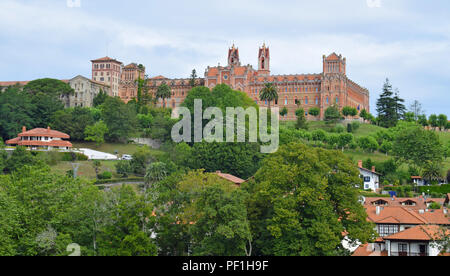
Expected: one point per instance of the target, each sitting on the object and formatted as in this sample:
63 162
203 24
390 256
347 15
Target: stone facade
85 92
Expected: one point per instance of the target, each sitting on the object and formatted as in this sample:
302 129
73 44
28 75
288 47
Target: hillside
365 130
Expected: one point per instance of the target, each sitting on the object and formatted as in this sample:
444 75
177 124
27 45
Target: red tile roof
44 132
366 251
57 143
420 233
406 215
10 83
231 178
106 59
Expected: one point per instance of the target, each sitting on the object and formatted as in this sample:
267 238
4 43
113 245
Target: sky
407 41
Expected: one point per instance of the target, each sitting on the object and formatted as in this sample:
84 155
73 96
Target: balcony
408 254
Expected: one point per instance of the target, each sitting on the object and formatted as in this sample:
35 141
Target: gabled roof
231 178
420 233
106 59
333 56
395 215
44 132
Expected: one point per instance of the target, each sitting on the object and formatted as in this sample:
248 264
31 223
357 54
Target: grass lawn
85 170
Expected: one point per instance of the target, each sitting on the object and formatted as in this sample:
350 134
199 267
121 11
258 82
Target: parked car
127 157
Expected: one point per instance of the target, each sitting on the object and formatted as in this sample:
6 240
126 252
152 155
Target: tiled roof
231 178
419 201
419 233
393 215
106 59
333 56
406 215
366 251
57 143
44 132
10 83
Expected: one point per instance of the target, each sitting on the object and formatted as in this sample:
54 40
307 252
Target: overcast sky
407 41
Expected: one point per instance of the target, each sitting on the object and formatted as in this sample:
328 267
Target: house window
387 230
366 178
403 249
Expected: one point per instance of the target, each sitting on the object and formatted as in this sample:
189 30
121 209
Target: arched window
306 100
328 101
285 101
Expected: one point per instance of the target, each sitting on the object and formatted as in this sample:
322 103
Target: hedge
443 189
119 180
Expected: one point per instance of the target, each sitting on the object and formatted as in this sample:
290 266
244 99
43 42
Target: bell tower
264 60
233 56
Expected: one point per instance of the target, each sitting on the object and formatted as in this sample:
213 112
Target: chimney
360 164
48 128
24 129
378 210
373 169
445 211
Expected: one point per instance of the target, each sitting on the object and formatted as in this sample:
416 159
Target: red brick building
321 90
331 87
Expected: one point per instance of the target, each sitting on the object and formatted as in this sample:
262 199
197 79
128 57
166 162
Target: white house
371 177
416 241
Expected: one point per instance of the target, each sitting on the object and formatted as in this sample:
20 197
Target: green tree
239 159
269 93
416 109
332 114
417 146
51 87
344 140
364 114
100 98
432 171
16 111
163 92
349 111
193 79
96 133
389 106
314 111
19 158
284 112
442 121
72 121
119 118
433 120
126 232
201 212
302 200
368 143
422 120
301 119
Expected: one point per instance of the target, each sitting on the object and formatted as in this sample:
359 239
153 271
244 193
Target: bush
442 190
73 156
338 129
105 175
124 168
112 181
